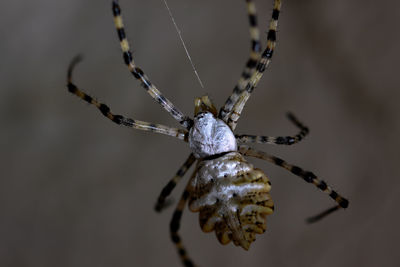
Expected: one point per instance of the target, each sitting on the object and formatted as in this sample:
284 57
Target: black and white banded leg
174 227
251 64
280 140
266 56
308 176
119 119
184 120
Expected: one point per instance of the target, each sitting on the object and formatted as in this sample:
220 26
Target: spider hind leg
308 176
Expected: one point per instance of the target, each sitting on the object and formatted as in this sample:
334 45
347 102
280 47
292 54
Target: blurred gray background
77 190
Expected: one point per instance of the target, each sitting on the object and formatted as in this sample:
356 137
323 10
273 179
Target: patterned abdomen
232 198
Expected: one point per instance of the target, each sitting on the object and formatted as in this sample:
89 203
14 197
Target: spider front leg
166 191
280 140
308 176
232 118
185 121
251 62
119 119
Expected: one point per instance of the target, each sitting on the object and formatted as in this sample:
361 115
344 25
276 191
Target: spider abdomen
232 197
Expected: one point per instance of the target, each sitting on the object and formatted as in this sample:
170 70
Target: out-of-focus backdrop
78 190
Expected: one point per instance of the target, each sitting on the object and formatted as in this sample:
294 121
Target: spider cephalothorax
210 136
231 196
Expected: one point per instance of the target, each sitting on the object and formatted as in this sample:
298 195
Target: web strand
183 43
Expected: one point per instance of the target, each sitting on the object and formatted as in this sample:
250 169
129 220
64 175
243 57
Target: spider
231 196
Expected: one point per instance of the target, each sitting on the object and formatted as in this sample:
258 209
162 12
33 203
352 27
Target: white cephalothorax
210 136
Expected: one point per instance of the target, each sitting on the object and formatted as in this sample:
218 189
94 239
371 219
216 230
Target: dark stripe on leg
121 34
275 14
271 35
115 8
128 59
321 215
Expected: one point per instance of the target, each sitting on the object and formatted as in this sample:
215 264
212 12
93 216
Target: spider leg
174 227
306 175
118 119
250 65
139 74
321 215
166 191
280 140
266 56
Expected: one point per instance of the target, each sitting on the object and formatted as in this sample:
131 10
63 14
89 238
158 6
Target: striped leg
139 74
166 191
118 119
281 140
174 227
308 176
234 116
251 62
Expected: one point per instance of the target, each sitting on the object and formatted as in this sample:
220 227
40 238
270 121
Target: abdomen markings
232 197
